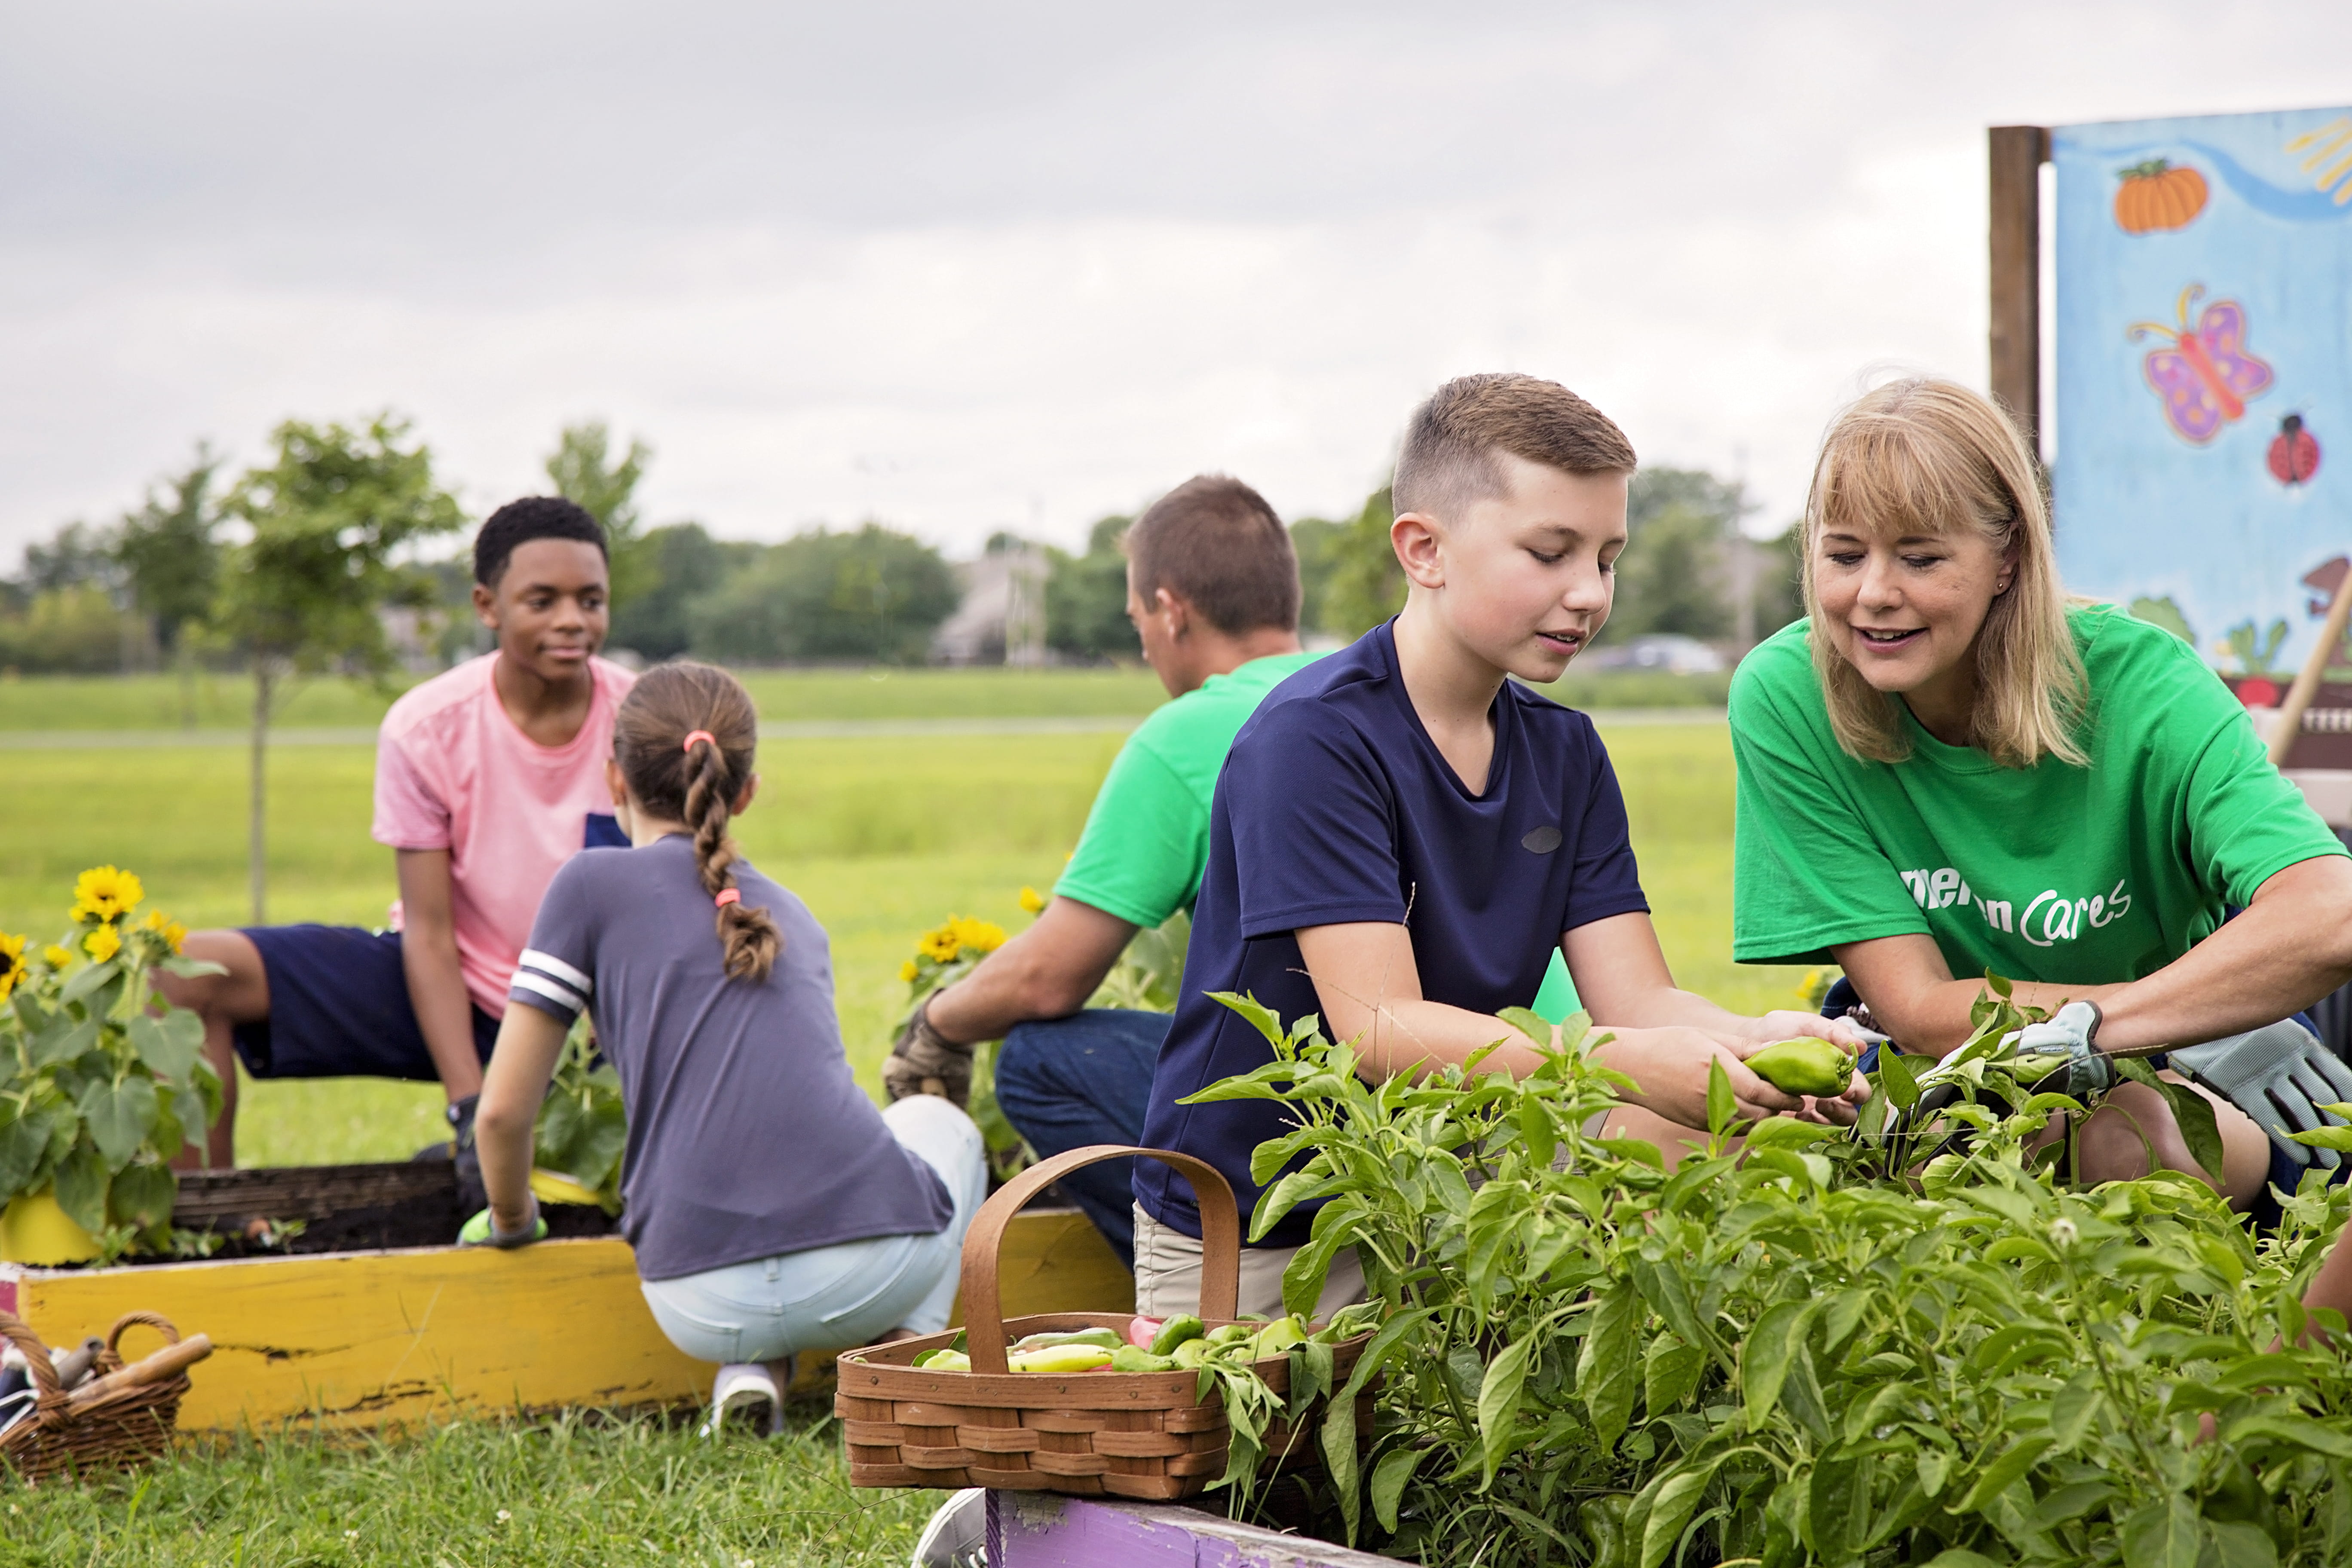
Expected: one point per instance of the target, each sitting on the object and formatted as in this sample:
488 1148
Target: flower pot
34 1229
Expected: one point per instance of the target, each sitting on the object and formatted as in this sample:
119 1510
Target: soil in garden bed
340 1208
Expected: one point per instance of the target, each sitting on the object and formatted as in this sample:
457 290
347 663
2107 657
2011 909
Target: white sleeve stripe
548 965
525 980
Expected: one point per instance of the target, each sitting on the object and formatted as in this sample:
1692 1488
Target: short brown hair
1214 543
1448 458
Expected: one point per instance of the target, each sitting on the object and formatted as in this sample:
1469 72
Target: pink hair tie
727 896
694 735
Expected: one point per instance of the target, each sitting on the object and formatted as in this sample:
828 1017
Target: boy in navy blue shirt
1401 836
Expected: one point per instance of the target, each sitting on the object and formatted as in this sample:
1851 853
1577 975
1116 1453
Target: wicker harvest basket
1135 1434
115 1430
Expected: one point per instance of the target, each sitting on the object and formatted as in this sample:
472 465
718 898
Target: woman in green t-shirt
1947 768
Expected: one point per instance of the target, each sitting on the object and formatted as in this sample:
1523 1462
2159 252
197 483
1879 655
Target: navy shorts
338 1008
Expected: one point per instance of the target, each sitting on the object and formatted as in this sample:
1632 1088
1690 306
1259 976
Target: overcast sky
965 268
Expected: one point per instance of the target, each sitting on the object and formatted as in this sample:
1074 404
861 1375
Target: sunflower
940 945
908 971
171 930
986 936
102 892
1031 899
57 957
12 962
102 944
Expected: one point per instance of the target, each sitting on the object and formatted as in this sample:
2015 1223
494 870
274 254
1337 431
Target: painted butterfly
2207 373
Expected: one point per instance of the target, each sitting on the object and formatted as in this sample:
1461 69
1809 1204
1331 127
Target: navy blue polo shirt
1336 807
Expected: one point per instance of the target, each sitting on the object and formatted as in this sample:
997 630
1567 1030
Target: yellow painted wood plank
367 1339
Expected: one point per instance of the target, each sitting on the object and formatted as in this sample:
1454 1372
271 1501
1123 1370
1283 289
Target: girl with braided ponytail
772 1207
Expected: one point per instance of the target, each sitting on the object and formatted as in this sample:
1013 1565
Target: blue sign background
2145 511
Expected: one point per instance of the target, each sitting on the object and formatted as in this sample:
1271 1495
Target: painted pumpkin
2155 196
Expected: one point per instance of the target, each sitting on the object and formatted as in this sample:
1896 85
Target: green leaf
2295 1431
1389 1476
142 1196
1604 1367
1935 1464
2193 1113
2072 1411
120 1116
1669 1371
1533 1025
62 1041
24 1139
1895 1077
1994 1478
89 980
2237 1544
1337 1439
82 1178
2337 1138
1959 1557
1722 1109
1499 1404
190 968
1764 1359
1671 1508
2163 1535
168 1044
1537 1133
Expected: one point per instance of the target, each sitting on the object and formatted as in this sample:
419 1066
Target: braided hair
685 738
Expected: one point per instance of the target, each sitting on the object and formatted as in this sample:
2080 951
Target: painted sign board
2203 432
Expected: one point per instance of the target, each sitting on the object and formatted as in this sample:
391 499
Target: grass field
882 835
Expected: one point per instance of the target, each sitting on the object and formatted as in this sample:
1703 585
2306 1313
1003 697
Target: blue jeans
1064 1083
848 1294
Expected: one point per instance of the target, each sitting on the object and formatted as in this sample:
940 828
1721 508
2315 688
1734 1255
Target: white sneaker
957 1536
745 1388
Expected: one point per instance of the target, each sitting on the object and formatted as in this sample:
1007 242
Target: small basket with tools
1067 1416
85 1410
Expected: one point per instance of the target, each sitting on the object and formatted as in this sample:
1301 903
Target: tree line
287 567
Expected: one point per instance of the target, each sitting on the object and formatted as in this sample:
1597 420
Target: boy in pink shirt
487 779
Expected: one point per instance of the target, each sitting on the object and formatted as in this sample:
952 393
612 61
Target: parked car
1669 651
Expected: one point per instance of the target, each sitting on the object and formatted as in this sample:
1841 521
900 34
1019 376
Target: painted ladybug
2294 452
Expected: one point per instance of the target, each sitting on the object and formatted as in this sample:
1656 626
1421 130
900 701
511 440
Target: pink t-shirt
453 772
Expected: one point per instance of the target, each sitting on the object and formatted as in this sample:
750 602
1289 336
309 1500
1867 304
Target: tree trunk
256 840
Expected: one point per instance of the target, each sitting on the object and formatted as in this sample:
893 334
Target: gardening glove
2086 1073
2280 1074
471 1193
921 1062
482 1230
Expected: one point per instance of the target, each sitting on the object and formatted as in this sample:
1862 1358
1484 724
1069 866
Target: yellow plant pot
34 1229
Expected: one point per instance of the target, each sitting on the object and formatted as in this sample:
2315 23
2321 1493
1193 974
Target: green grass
572 1492
224 702
883 837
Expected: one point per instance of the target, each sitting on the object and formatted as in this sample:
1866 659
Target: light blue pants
839 1297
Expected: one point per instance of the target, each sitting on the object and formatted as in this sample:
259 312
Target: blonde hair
1926 455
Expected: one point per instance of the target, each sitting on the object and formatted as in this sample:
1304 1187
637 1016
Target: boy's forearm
1406 1035
1047 971
445 1010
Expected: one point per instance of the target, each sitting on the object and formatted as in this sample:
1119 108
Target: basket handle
1221 1240
112 1359
43 1372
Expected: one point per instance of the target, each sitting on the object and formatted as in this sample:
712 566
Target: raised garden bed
368 1317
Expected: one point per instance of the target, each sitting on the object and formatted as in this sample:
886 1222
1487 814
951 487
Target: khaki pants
1168 1274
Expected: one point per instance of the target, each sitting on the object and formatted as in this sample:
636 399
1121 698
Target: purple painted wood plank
1039 1530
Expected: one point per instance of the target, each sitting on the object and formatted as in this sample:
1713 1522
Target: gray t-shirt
748 1136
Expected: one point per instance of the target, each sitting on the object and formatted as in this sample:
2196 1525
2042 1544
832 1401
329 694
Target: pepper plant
102 1080
1914 1341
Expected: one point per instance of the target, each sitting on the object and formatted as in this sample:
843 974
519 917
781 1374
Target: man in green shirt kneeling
1212 589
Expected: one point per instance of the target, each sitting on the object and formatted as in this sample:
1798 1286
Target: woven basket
1135 1434
124 1428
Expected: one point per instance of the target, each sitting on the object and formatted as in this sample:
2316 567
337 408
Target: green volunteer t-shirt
2055 873
1147 837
